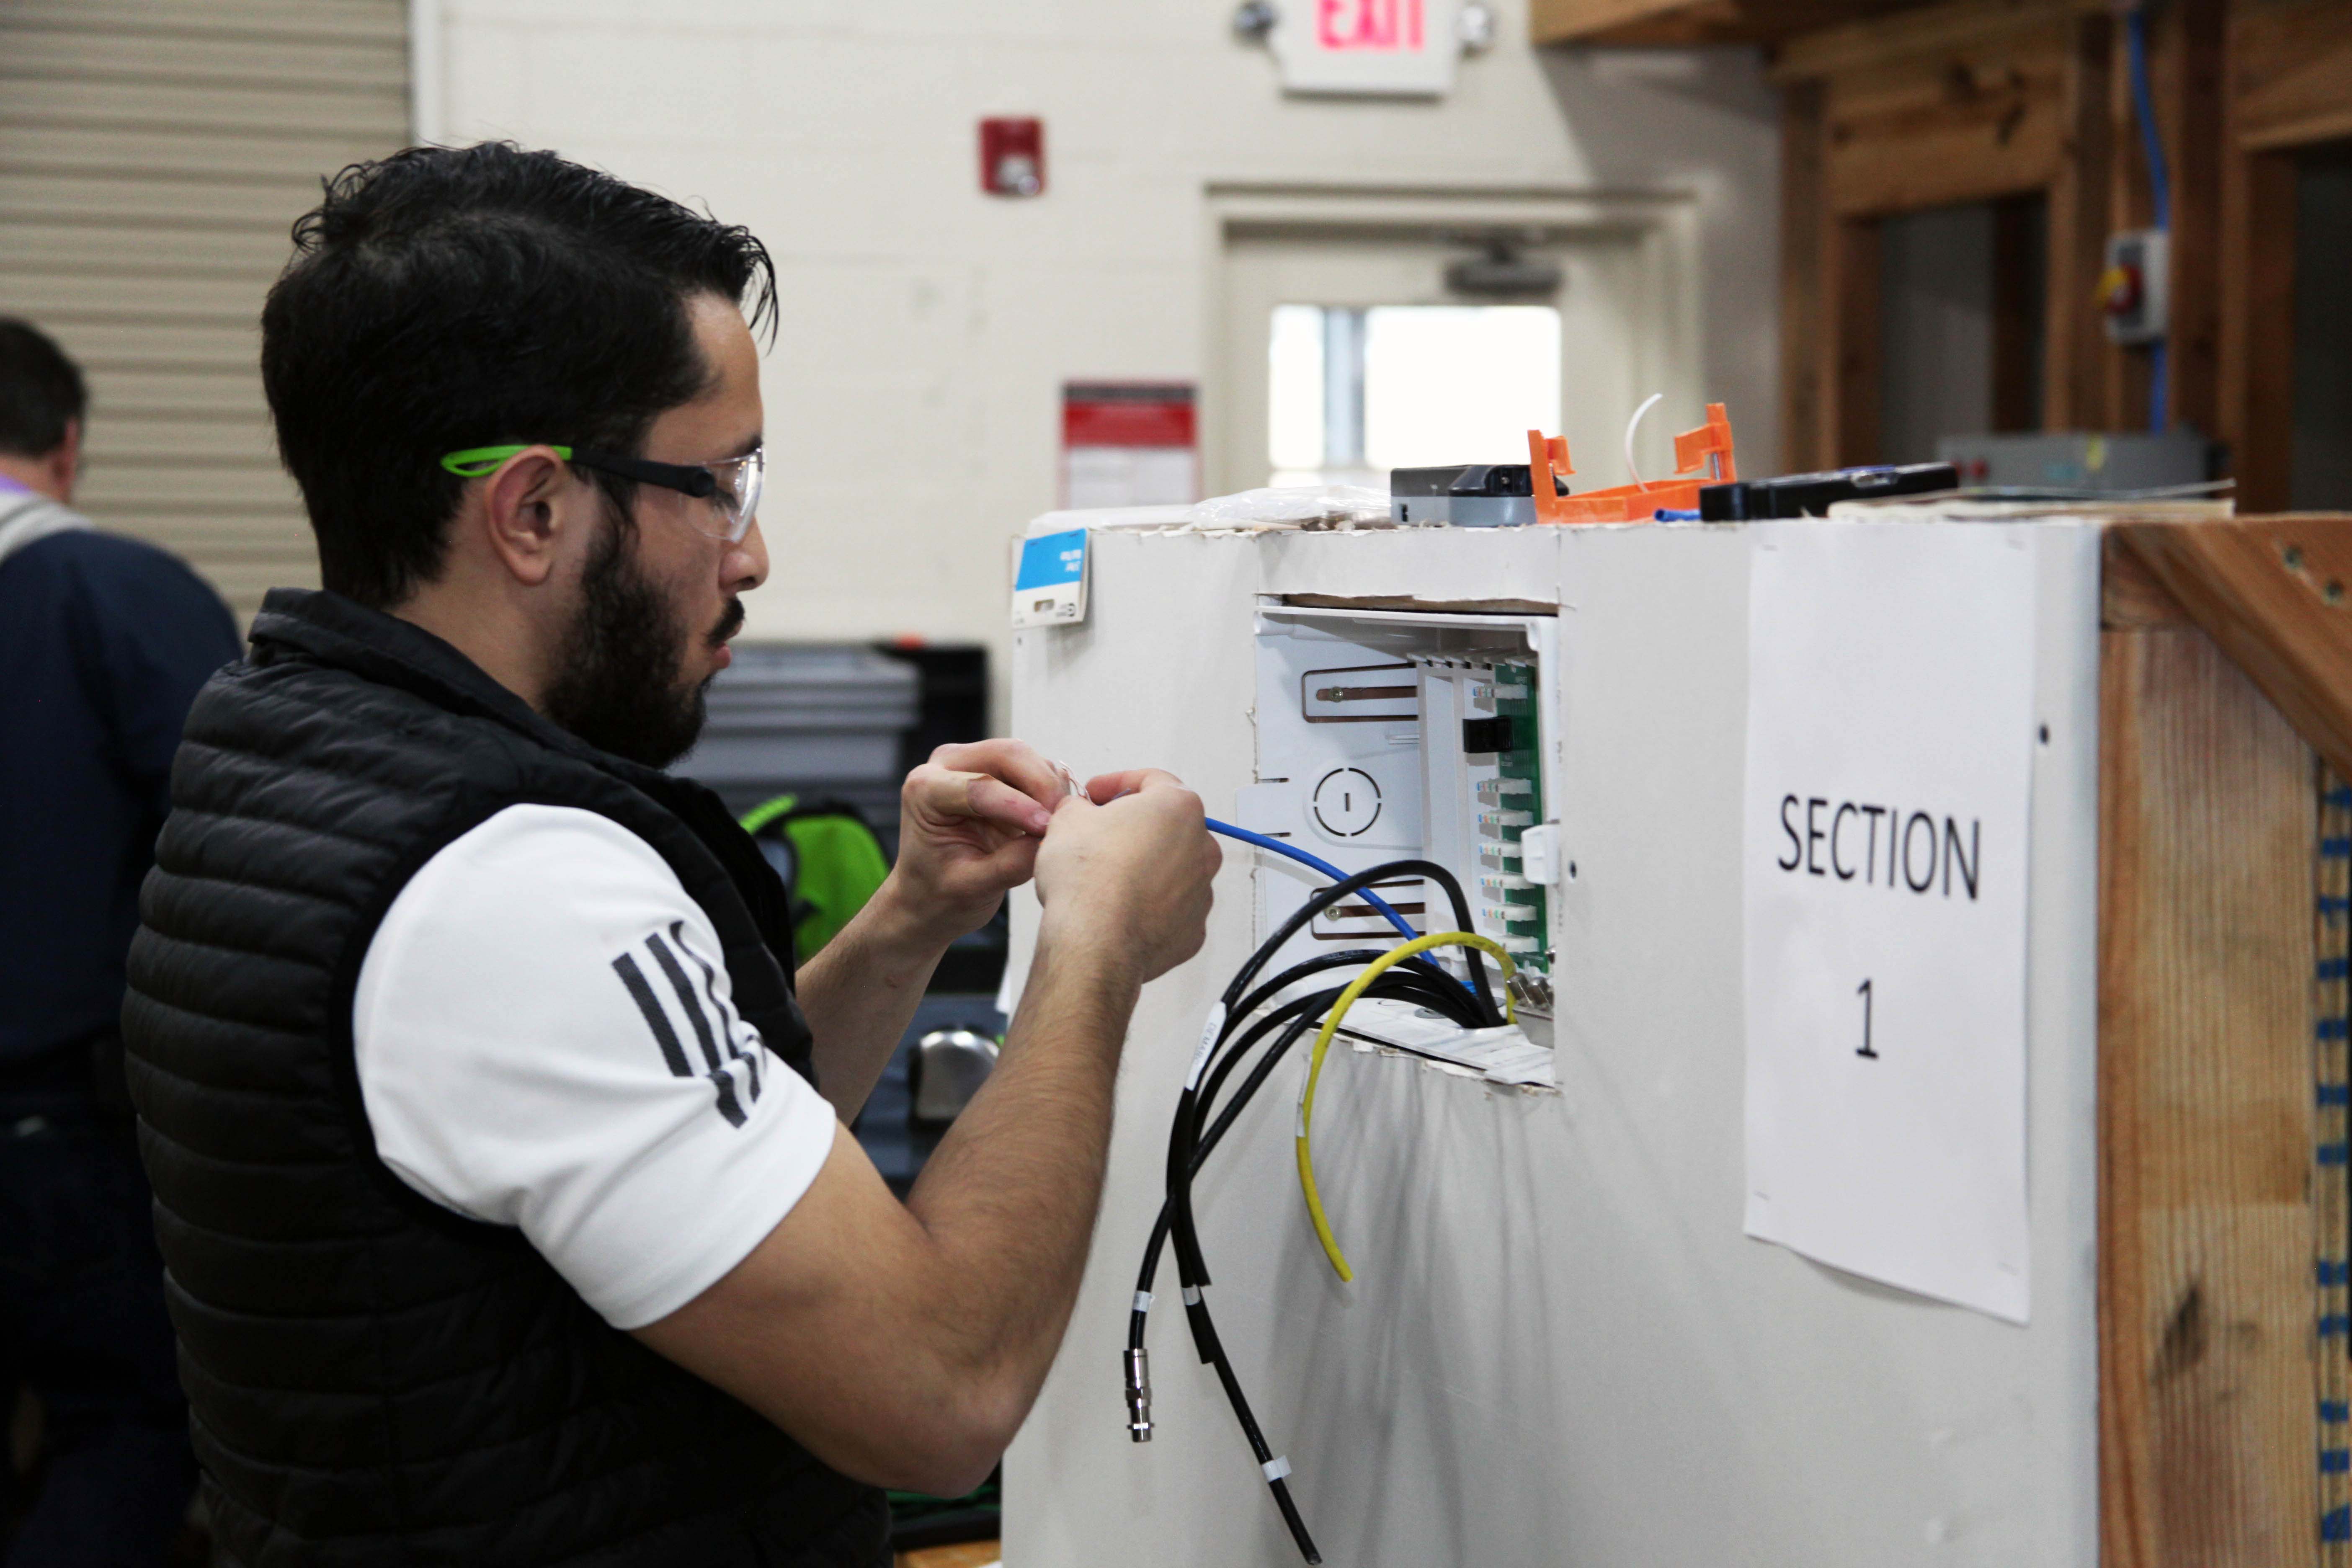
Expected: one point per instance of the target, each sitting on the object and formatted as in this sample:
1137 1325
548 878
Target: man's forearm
860 994
1010 1196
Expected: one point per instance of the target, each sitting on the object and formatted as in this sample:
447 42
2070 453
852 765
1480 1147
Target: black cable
1323 897
1184 1133
1418 980
1184 1127
1430 987
1299 1018
1354 957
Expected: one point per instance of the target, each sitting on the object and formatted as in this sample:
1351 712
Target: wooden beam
2130 597
1803 442
2262 430
1978 119
1851 364
1872 45
2290 77
2275 593
1581 21
2288 84
2195 31
2019 272
2074 339
1655 23
2208 1391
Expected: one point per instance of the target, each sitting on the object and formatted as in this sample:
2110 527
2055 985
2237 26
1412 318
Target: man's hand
1128 868
970 823
904 1344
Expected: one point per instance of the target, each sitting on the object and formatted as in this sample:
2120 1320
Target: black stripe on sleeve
728 1106
751 1060
687 998
656 1019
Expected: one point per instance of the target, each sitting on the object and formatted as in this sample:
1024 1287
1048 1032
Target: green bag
829 857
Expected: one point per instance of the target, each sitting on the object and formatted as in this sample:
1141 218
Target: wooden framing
1978 99
2288 87
2222 660
1973 100
1657 22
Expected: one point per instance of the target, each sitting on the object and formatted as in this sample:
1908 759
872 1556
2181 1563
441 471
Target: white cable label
1192 1295
1143 1300
1209 1033
1275 1468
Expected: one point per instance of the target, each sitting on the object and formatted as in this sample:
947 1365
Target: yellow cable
1322 1042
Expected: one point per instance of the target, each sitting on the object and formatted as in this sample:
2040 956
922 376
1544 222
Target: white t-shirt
545 1038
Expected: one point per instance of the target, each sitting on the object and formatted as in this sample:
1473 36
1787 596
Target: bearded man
500 1160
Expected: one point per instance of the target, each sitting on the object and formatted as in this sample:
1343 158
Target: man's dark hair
41 391
454 297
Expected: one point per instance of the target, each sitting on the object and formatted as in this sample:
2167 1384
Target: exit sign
1404 48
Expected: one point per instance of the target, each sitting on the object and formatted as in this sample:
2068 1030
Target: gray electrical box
2071 460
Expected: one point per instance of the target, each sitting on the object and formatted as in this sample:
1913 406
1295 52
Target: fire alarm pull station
1013 157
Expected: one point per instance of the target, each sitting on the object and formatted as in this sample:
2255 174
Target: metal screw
2332 592
2294 557
1254 19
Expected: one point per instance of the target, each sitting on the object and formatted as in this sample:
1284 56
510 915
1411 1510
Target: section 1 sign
1890 735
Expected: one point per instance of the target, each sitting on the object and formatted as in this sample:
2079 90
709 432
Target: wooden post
1851 399
2192 88
2258 304
1803 444
2020 238
2075 339
2208 1409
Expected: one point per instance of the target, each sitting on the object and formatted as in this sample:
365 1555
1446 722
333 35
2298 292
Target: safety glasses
732 485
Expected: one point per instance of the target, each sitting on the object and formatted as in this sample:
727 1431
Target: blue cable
2160 180
1328 869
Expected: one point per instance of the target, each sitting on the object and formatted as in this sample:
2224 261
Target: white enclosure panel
1559 1348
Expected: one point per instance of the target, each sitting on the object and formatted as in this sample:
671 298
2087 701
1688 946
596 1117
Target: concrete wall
913 390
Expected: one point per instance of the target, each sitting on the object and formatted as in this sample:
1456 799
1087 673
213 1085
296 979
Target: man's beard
618 686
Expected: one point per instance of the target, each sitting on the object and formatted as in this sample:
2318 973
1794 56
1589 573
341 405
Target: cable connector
1139 1395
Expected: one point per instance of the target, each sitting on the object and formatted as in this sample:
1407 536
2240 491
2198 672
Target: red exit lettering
1349 25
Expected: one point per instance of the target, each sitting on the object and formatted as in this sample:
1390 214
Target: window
1355 392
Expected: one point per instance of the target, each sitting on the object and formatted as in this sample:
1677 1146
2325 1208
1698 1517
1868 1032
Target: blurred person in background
103 643
501 1158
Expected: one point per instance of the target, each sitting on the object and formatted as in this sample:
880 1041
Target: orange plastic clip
1702 457
1547 457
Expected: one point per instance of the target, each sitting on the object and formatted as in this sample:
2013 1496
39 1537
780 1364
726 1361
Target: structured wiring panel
1385 735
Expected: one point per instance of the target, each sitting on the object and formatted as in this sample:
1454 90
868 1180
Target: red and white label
1128 444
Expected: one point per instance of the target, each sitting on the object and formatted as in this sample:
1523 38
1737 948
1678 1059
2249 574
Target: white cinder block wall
913 392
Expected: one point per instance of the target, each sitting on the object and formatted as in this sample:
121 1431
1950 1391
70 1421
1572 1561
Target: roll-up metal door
153 156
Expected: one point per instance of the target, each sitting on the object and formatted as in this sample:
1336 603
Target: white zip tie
1192 1295
1210 1030
1636 423
1275 1468
1143 1300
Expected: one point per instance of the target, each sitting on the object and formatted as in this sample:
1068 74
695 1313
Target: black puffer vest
374 1380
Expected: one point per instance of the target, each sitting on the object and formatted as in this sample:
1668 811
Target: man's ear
529 504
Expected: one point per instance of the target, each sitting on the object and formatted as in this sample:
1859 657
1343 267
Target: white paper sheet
1890 735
